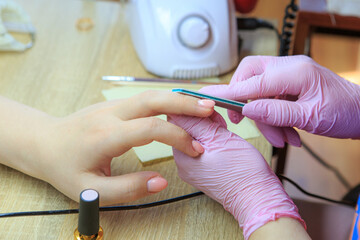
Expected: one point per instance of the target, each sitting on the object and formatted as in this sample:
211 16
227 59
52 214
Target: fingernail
206 103
197 147
156 184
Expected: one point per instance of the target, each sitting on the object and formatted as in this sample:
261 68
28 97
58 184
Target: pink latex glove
232 172
299 93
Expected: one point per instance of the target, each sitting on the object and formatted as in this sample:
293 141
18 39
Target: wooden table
62 74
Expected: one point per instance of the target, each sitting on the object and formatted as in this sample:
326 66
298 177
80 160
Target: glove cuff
256 205
261 220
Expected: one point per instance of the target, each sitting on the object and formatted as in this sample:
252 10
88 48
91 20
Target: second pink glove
234 173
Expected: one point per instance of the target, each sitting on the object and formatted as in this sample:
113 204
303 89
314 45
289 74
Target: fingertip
197 147
206 107
206 103
208 89
276 143
234 117
292 137
295 144
220 90
191 147
156 184
274 135
254 110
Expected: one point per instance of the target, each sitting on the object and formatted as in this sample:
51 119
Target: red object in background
245 6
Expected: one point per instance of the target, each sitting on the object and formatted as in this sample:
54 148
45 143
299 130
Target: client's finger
141 131
126 188
151 103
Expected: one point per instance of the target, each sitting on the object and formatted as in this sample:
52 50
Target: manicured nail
197 147
206 103
156 184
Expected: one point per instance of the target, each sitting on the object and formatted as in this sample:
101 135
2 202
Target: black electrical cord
288 24
314 195
328 166
286 33
153 204
255 23
101 209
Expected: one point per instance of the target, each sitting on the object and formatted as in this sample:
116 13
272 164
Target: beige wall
340 54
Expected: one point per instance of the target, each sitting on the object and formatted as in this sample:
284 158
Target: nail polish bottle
88 225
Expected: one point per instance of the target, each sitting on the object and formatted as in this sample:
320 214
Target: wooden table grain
62 74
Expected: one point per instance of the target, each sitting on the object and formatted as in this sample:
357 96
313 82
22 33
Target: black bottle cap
89 212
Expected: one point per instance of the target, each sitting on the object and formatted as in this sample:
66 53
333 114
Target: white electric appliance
184 39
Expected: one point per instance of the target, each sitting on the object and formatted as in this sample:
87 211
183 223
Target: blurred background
341 54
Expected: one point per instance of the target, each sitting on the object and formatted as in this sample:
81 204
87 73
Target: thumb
276 112
126 188
232 92
221 90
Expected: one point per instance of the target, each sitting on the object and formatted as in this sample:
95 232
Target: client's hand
75 152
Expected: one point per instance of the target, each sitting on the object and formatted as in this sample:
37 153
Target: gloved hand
234 173
293 92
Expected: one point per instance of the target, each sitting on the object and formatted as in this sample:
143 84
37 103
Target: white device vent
196 73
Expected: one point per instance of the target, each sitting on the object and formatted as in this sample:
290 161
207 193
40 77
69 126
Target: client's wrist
38 151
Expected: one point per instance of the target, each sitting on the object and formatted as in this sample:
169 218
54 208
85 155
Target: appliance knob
194 32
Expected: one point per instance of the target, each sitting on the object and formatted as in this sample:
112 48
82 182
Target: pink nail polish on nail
206 103
197 147
156 184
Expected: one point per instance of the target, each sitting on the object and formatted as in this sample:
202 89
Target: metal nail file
220 102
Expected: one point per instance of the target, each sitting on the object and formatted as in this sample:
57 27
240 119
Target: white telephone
184 39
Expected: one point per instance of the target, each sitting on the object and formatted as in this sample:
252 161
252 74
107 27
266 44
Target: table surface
62 74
